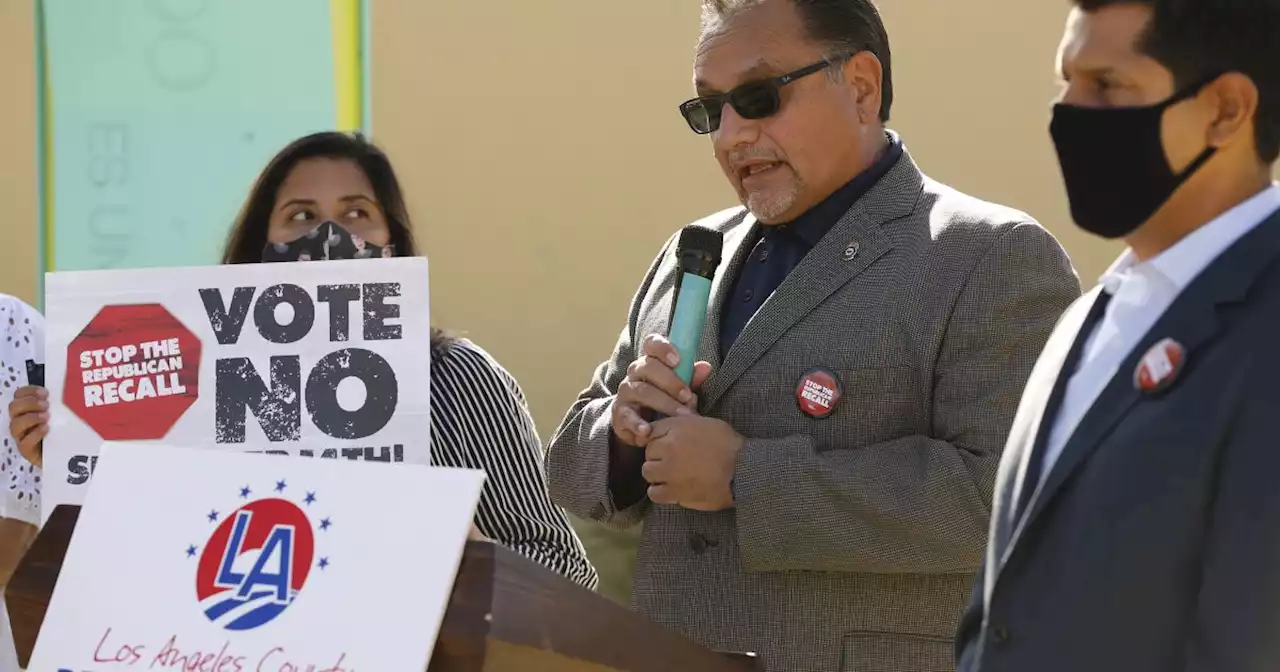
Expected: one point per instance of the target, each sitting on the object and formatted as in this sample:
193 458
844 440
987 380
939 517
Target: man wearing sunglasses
821 494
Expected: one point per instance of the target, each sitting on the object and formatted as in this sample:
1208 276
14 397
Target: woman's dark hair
249 233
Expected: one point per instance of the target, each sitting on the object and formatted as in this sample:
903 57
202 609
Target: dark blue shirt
779 248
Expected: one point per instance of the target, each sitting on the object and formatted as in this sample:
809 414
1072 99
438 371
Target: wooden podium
507 613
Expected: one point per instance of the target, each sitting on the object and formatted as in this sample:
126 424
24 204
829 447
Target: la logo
255 562
271 568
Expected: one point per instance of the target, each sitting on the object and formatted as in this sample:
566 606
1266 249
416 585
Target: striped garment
480 420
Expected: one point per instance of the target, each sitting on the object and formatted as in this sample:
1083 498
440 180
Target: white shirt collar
1183 261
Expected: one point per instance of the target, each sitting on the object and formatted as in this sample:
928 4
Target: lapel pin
818 392
1159 367
851 250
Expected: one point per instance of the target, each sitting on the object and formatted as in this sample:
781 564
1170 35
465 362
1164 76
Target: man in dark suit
839 531
1136 520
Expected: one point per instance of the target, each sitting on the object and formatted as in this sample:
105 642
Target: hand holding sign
29 422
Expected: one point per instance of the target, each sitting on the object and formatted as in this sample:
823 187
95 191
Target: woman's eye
357 213
301 216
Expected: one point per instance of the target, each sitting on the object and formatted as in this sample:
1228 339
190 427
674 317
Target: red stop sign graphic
132 372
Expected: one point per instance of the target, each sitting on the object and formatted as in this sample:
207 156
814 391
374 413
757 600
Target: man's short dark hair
841 27
1197 39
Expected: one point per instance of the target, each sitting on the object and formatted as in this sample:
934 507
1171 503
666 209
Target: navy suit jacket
1154 544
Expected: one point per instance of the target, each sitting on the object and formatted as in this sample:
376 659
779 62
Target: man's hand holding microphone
688 458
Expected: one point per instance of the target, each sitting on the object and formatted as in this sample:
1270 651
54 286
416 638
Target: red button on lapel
1160 366
818 393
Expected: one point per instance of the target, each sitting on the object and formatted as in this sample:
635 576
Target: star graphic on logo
280 485
244 492
310 498
324 562
191 551
325 523
213 516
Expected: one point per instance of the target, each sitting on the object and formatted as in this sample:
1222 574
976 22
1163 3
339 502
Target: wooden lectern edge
27 595
506 606
506 612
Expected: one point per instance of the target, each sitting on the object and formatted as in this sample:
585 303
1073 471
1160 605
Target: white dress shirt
1140 292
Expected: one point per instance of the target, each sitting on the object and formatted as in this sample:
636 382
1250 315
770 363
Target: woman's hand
475 535
29 422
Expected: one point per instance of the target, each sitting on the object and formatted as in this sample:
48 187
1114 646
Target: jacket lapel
735 253
851 246
1040 400
1192 320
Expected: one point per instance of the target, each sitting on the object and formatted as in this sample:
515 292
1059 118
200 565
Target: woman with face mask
335 196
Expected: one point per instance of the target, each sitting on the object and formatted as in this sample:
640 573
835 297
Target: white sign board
325 359
189 559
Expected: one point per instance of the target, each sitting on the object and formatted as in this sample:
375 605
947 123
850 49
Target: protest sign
188 559
327 359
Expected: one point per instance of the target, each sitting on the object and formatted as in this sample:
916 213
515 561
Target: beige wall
19 233
545 161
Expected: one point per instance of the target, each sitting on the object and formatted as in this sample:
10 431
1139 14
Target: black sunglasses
753 100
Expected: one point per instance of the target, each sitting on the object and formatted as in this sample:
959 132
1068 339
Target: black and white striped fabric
480 420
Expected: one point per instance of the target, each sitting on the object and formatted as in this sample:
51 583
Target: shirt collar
1183 261
816 221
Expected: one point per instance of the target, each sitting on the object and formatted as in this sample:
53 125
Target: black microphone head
700 240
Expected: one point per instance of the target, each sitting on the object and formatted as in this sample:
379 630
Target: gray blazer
1154 544
855 537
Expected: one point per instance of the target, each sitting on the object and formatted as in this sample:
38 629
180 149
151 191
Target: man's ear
865 74
1237 105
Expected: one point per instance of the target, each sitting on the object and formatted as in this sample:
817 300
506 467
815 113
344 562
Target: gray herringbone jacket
855 537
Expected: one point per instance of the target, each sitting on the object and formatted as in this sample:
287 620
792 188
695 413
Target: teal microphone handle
689 314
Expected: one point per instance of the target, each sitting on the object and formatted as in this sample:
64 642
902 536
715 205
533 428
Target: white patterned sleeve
21 341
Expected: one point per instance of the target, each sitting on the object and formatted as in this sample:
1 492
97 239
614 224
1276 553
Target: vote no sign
132 372
327 360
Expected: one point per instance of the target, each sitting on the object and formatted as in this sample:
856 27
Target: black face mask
1114 165
325 242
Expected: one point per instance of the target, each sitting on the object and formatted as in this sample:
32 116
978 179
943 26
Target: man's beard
769 204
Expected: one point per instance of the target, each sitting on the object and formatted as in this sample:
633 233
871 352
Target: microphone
698 253
698 250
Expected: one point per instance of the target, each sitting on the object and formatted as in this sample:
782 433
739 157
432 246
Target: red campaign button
1159 366
132 372
818 393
